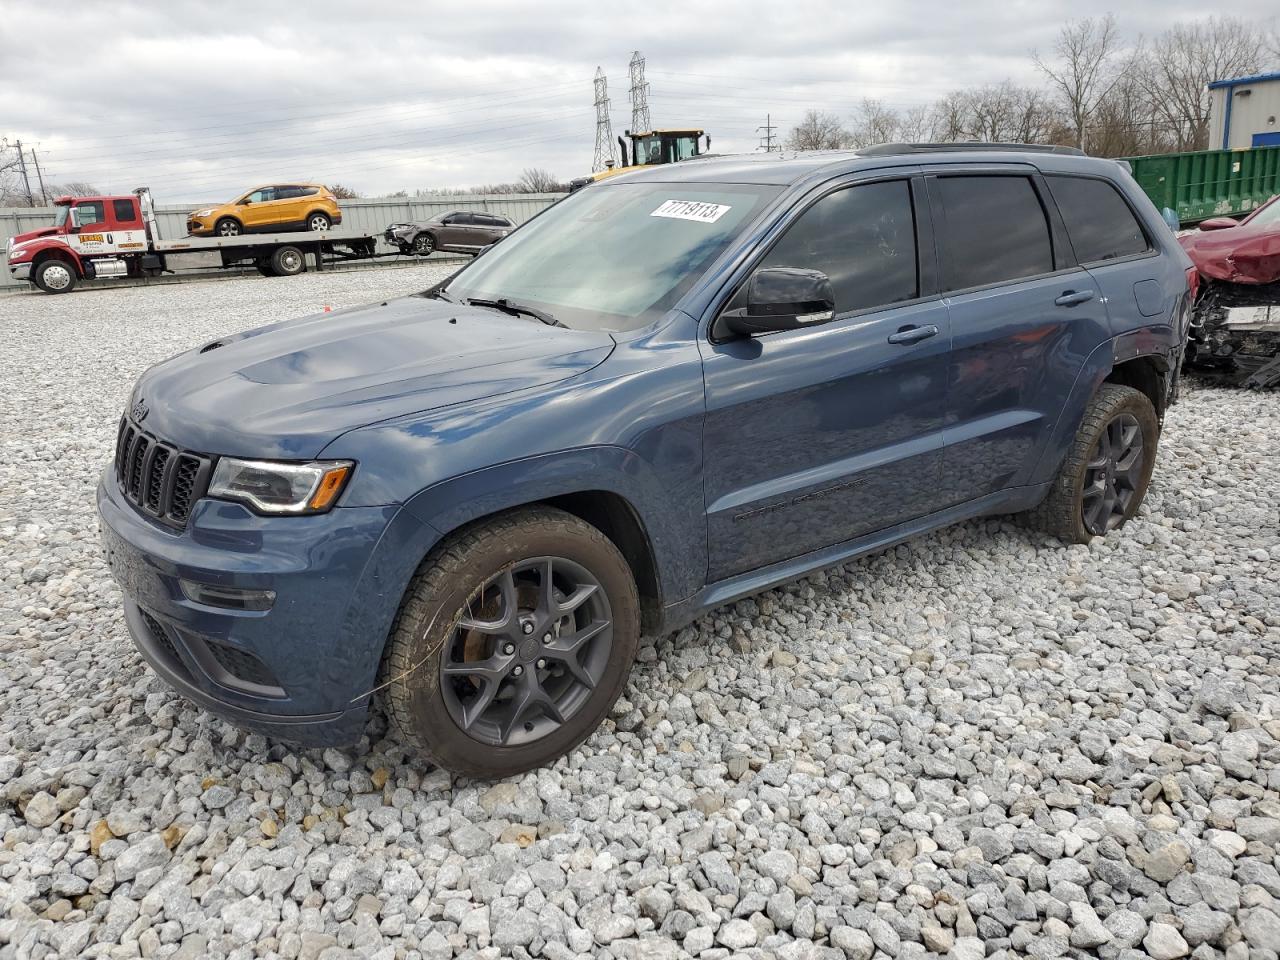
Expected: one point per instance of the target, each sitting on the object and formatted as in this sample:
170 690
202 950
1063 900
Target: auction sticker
691 210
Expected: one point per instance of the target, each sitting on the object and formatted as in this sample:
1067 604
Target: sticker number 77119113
691 210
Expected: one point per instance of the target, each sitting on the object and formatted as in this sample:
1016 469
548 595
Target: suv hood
287 390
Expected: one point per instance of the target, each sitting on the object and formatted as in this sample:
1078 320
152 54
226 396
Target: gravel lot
981 743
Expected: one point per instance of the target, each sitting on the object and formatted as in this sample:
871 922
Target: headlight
274 487
202 213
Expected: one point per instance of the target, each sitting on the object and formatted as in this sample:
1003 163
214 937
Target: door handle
913 334
1073 298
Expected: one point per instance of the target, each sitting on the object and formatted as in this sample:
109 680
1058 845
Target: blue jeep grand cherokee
670 390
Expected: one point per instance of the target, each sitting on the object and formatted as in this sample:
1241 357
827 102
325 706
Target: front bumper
298 671
20 271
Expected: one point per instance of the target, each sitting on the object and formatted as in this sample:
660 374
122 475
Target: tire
424 244
1094 491
56 276
228 227
288 262
528 705
319 221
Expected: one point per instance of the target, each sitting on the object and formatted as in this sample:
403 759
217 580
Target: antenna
766 141
605 157
639 93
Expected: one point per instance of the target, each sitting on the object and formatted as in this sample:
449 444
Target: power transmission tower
639 93
605 156
26 182
766 141
44 197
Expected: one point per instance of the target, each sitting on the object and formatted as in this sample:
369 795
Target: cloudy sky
199 100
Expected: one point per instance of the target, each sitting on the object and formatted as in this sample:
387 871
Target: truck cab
651 148
102 236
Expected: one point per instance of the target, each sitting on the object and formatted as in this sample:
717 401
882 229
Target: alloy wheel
528 651
56 277
1113 475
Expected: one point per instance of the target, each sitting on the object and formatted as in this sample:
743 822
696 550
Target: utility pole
44 197
639 94
604 156
766 141
22 165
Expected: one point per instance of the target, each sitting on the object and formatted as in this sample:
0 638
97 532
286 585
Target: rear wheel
1107 471
228 227
424 244
319 221
55 276
512 643
288 262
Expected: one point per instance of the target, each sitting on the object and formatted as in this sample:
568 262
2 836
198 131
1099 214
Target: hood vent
211 346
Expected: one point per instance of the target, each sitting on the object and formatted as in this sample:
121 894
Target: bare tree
1082 71
873 123
343 192
1179 63
535 180
74 188
818 131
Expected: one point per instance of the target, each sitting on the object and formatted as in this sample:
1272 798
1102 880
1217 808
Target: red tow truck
118 237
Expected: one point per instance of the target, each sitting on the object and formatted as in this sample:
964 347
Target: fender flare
1104 358
57 251
450 504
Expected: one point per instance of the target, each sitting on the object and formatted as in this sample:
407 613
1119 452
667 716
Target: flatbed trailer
119 237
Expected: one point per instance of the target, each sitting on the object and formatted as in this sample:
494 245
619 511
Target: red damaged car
1238 251
1235 334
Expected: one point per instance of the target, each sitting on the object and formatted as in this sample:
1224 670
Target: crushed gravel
982 743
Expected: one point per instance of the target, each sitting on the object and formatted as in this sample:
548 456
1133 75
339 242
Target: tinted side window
863 238
124 211
1099 221
994 229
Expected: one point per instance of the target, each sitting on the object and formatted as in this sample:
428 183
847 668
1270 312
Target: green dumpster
1209 183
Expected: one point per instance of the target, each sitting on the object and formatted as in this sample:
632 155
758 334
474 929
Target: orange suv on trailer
288 206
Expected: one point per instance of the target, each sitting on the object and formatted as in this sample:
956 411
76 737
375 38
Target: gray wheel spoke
576 599
476 709
493 669
530 697
507 588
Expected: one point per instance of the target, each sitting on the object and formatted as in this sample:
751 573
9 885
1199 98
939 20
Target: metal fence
360 216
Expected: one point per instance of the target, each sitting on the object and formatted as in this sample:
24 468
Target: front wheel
1107 471
512 643
55 276
227 227
424 244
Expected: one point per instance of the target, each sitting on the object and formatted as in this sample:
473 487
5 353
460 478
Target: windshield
614 256
1267 215
63 212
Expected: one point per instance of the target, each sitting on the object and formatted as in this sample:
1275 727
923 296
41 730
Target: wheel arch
1137 359
57 252
318 212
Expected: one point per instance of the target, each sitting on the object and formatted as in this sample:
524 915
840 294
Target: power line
639 94
604 154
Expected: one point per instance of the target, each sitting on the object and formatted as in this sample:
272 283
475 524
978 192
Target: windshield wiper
502 303
441 294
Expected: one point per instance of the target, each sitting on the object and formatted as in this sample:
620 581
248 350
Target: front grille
242 665
158 478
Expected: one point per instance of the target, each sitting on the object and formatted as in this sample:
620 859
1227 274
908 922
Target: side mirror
781 298
1219 223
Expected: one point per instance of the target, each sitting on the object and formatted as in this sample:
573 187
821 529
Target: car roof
792 167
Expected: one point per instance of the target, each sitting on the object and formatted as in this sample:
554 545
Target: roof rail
889 149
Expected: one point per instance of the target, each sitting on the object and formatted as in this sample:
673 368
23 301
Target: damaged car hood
1249 253
286 390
